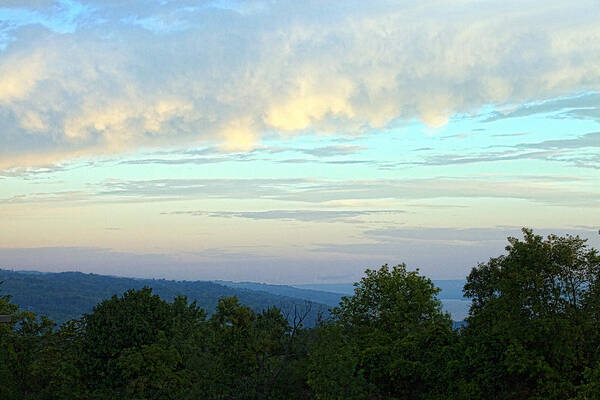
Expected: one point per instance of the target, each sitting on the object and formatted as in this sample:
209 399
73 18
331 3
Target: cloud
103 77
440 250
61 197
86 259
180 161
467 236
457 136
588 140
441 253
330 162
585 106
511 134
236 264
328 192
329 151
211 188
442 187
448 159
290 215
568 150
210 155
27 173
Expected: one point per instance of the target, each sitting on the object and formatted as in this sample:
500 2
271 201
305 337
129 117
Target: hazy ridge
67 295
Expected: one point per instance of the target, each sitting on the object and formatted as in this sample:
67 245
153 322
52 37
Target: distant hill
318 296
345 289
67 295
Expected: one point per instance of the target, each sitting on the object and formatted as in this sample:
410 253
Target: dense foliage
533 332
534 326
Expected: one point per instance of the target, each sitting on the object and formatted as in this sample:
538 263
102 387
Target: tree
138 346
334 372
533 329
35 361
251 355
393 334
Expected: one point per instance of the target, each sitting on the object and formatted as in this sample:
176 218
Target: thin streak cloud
290 215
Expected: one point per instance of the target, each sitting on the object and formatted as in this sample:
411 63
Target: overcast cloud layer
103 77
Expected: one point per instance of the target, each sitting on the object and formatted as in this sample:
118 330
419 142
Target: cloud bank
103 77
358 193
440 253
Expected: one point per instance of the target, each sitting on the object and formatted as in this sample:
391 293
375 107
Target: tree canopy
391 337
533 329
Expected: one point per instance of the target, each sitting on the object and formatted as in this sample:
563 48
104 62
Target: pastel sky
292 141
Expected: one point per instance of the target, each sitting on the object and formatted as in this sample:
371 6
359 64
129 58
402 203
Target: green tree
35 360
8 385
334 371
394 336
533 329
252 355
139 346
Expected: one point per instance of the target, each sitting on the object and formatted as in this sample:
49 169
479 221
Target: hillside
67 295
319 296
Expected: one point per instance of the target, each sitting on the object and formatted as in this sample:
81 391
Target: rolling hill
67 295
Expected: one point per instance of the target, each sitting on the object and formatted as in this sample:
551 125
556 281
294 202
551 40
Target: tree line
533 332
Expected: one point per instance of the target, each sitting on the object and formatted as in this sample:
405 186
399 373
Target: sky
289 141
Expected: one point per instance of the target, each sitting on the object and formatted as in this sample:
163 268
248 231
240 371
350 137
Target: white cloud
382 195
230 72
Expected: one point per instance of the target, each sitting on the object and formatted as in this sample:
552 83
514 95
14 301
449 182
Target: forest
533 332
